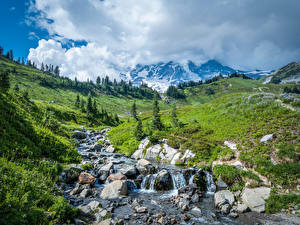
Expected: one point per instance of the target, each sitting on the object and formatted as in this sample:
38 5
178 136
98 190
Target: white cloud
120 34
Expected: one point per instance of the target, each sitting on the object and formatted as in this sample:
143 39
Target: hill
287 74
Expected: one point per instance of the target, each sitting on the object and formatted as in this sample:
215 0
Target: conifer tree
4 82
138 132
89 107
116 118
11 55
77 103
25 94
16 88
133 111
42 67
56 71
98 80
95 109
1 50
82 107
156 122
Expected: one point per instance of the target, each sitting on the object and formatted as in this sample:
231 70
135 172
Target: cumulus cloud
244 34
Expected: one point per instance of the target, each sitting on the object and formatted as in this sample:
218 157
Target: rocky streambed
111 188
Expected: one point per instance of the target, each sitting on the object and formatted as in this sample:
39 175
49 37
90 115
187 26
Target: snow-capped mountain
161 75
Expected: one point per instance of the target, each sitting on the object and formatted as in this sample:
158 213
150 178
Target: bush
62 211
277 202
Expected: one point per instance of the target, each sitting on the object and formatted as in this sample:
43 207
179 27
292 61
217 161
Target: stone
114 190
94 205
143 163
153 152
78 134
230 145
85 193
221 185
241 208
110 149
86 209
196 212
86 178
222 197
266 138
141 209
138 154
79 222
167 153
233 215
184 208
96 147
78 188
225 209
104 172
176 158
129 171
195 198
106 222
238 165
116 176
255 198
188 155
163 181
185 217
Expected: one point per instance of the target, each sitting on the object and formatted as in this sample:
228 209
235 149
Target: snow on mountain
161 75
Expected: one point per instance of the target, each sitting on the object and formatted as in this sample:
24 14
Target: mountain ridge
161 75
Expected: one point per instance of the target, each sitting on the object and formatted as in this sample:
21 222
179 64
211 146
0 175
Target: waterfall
210 186
149 179
191 180
178 180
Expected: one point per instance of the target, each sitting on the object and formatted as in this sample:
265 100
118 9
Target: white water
178 180
210 186
191 179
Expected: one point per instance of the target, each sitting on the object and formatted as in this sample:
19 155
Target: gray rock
114 190
94 205
85 193
241 208
233 215
78 188
163 181
255 198
129 171
104 172
86 209
221 185
78 134
196 212
222 197
266 138
225 209
141 209
138 154
187 155
106 222
153 152
110 149
79 222
195 198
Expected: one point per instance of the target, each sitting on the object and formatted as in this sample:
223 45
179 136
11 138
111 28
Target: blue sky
96 37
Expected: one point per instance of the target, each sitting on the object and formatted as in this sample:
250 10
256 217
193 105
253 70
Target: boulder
153 152
143 163
176 158
230 145
117 176
78 134
167 153
129 171
86 192
266 138
163 181
225 209
114 190
96 147
94 205
86 178
104 172
77 190
138 154
187 155
223 197
106 222
145 167
196 212
241 208
221 185
255 198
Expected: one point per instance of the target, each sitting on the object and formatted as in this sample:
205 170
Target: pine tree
156 122
95 109
1 50
23 61
4 82
11 55
16 88
77 103
116 118
133 111
42 67
56 71
138 132
89 107
98 80
26 95
174 117
82 107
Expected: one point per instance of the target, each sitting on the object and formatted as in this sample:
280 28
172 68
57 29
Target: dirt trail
285 105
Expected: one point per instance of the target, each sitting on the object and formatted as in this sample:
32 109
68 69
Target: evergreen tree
138 132
89 107
4 82
116 118
133 111
77 103
95 109
98 80
82 107
11 55
56 71
16 88
174 117
23 61
156 122
42 67
26 95
1 50
19 60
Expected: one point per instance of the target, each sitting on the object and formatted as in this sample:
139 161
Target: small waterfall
210 186
149 181
191 180
178 180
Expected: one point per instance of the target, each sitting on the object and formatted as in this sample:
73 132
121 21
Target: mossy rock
200 180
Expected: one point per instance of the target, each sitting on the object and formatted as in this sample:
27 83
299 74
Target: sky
87 38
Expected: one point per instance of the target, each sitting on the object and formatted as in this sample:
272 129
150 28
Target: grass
277 202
